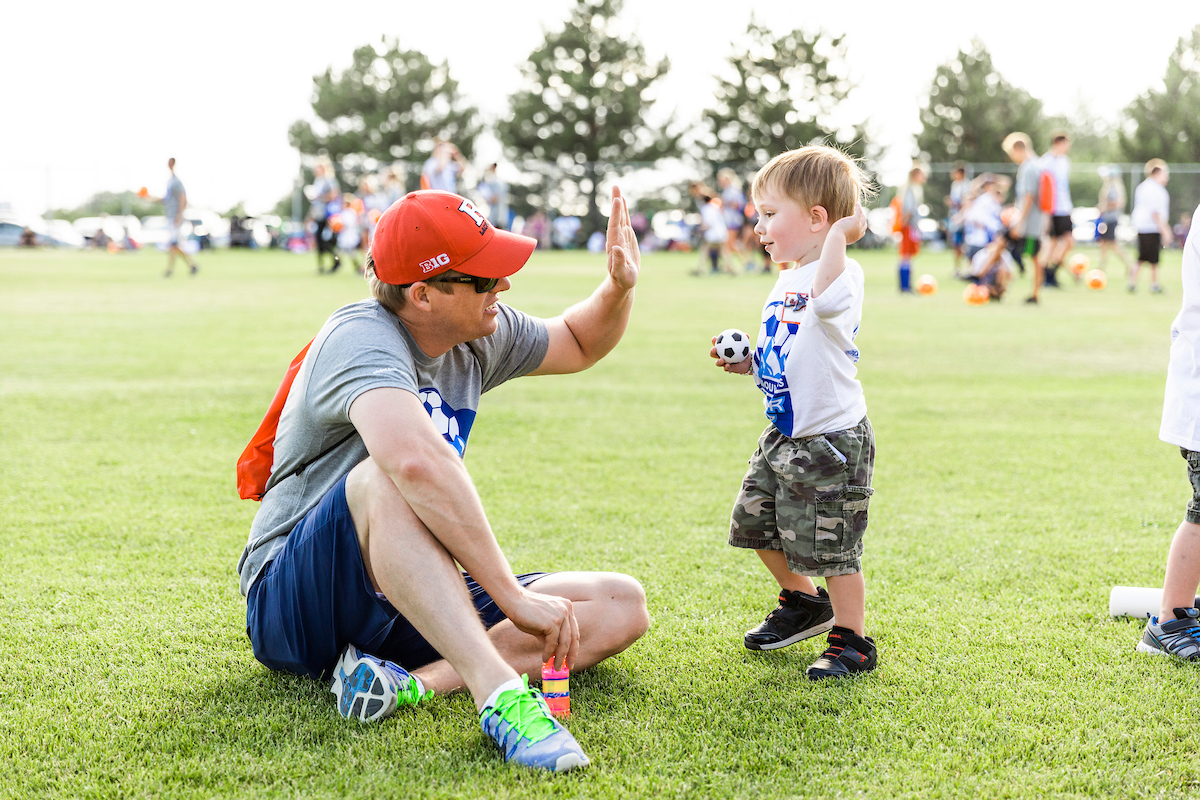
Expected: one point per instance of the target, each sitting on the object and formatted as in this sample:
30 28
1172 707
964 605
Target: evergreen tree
781 93
1161 123
971 108
388 105
586 91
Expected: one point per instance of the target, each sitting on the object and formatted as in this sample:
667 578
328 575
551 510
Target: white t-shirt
981 221
1060 168
715 231
1181 406
805 358
1150 198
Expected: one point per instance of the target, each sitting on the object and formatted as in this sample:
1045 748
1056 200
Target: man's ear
818 217
418 296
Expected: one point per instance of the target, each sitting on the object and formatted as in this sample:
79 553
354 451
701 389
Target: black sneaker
1031 300
847 654
798 617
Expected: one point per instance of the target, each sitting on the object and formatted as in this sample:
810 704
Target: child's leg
776 562
1183 571
848 593
905 275
1133 274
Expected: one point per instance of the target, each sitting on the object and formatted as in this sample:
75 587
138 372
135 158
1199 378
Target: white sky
97 96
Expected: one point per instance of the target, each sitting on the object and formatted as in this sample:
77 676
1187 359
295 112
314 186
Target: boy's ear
818 217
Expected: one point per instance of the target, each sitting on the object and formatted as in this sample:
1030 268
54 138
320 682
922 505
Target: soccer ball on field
927 285
1096 279
1078 264
732 346
976 294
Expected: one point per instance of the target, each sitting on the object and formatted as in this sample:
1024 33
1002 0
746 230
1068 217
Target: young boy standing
803 502
1175 631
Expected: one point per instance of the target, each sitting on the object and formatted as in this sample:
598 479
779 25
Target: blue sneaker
1179 637
368 688
527 733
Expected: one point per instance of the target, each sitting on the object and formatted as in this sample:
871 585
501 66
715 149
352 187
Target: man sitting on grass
350 573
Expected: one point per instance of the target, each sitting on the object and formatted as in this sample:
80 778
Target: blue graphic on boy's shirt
454 425
775 339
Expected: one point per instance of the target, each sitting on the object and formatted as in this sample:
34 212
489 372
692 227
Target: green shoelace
524 710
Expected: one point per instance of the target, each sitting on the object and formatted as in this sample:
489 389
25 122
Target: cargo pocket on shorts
841 522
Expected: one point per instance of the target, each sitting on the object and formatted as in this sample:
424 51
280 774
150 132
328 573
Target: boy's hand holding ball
732 350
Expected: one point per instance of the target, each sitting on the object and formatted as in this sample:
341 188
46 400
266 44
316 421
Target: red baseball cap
427 233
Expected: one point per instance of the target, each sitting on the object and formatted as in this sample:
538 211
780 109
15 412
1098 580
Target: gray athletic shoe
1178 637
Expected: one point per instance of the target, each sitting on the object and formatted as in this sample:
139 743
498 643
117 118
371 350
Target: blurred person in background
1062 236
374 203
494 192
28 237
981 220
1028 225
538 227
1182 228
326 203
174 202
713 233
1151 210
733 208
443 168
1111 202
393 185
954 207
907 207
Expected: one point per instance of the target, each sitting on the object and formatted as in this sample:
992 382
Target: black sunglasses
482 285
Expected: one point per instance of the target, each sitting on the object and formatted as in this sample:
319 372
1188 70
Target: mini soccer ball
1096 279
927 284
732 346
1007 216
976 294
143 192
1078 264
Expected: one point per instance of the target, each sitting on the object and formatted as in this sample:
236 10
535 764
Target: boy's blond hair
1153 164
816 175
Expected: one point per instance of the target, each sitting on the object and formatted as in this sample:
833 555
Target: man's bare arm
588 331
428 473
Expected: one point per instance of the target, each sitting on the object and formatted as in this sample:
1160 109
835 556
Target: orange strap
254 464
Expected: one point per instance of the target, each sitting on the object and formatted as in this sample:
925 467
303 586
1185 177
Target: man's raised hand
624 258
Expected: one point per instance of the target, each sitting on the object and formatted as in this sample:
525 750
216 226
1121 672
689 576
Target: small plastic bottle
556 687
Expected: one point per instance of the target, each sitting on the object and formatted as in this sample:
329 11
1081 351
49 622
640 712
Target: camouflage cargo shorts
808 497
1193 506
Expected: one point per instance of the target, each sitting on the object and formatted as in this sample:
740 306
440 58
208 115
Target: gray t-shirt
1029 173
172 198
362 347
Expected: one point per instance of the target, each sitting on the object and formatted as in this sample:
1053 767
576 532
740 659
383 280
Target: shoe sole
570 761
807 633
362 694
1150 649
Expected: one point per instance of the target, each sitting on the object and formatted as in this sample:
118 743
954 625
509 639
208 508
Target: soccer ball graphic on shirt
454 425
732 345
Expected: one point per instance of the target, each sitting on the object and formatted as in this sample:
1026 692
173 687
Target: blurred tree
113 203
583 107
388 105
1161 123
971 108
782 93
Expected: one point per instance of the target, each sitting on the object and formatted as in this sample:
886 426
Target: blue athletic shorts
315 597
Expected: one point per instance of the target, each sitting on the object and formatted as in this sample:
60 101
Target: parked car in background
47 233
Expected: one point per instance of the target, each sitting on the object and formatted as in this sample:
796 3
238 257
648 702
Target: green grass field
1019 476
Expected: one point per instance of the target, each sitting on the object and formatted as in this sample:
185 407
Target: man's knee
627 592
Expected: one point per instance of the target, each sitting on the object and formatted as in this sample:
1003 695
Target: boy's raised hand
854 226
740 368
